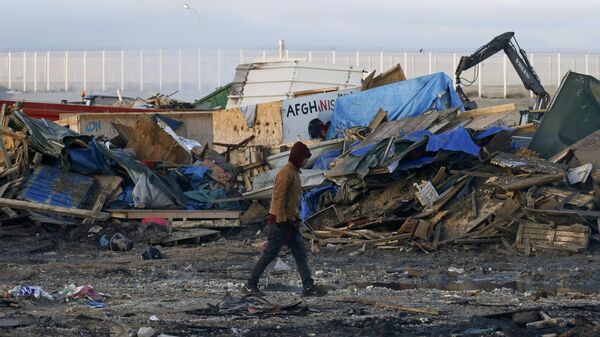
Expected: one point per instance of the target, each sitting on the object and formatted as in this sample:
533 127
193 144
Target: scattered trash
146 332
28 292
120 243
153 318
104 242
281 266
152 253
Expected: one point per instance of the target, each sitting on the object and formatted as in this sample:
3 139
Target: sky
371 24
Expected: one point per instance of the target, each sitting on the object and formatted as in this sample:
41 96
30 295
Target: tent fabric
458 139
172 123
195 174
401 100
90 161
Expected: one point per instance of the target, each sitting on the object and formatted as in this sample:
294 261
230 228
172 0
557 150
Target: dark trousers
277 236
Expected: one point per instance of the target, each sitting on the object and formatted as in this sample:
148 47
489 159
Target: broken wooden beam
173 214
497 109
74 212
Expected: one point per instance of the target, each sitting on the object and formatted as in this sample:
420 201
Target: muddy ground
463 284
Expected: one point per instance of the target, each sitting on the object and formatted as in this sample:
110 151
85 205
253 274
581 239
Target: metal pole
430 65
35 71
160 70
381 61
24 71
405 63
287 55
241 56
310 56
66 71
504 75
480 83
122 71
333 57
103 71
357 59
179 69
141 70
85 71
200 70
218 68
264 54
435 67
47 71
9 71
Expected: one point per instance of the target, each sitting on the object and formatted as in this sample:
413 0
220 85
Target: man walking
284 224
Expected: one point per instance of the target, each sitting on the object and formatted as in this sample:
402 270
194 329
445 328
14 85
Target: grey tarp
573 114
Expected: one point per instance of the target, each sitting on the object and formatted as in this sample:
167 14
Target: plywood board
197 125
150 142
230 126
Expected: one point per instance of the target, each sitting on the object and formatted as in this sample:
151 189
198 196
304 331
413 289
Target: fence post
264 54
430 65
480 77
104 71
160 70
531 61
381 61
199 70
179 75
9 71
558 69
122 71
287 55
406 64
218 68
47 71
333 57
141 70
358 59
310 56
35 71
504 75
85 71
24 71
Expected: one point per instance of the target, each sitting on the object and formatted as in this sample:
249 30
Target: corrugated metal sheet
272 81
49 185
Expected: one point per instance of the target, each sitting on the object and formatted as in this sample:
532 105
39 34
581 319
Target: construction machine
518 58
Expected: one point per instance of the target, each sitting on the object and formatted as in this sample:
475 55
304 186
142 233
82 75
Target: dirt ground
182 289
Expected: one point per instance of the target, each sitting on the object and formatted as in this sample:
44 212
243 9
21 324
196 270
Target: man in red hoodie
284 224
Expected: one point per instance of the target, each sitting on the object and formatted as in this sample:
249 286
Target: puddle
487 283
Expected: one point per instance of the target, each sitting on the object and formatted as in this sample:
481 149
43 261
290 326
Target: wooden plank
548 238
32 206
192 234
217 223
534 181
379 118
387 305
579 199
497 109
173 214
5 154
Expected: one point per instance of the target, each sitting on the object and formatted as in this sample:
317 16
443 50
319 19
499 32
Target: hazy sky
428 24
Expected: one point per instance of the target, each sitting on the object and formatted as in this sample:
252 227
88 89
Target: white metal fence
200 71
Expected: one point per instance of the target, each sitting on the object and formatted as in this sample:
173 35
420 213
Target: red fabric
298 153
151 164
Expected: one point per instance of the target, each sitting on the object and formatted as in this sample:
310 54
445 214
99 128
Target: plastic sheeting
195 174
458 139
90 161
401 100
323 161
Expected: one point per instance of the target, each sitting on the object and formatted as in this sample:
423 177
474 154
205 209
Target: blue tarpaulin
491 131
458 139
90 161
309 204
323 161
403 99
196 174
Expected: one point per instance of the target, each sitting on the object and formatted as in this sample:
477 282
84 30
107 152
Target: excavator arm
519 60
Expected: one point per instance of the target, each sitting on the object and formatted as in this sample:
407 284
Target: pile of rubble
397 162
